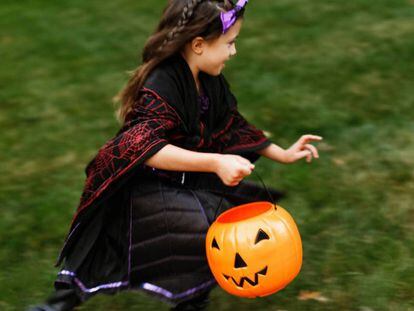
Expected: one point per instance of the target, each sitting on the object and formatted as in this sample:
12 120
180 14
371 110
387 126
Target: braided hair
188 12
181 22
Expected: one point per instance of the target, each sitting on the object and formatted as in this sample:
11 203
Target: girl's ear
197 45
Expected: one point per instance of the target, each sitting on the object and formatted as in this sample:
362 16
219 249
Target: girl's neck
195 71
198 86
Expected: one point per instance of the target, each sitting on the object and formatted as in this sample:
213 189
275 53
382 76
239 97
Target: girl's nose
233 51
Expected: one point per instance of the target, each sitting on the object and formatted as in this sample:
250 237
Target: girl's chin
217 71
221 67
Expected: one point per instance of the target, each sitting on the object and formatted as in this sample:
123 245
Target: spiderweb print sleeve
244 137
145 133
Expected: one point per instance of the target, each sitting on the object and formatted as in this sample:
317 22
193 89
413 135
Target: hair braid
186 15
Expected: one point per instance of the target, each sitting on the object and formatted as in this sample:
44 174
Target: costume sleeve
245 136
145 132
239 136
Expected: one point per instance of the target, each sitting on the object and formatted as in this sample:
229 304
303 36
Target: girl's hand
302 149
232 168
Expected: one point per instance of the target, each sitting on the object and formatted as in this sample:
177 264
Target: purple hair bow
229 18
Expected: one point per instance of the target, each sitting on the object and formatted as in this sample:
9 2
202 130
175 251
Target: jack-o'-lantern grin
245 278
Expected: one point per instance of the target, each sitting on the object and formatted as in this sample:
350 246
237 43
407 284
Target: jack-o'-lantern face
254 249
239 263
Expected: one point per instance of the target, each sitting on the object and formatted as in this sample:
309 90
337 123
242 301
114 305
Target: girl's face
217 52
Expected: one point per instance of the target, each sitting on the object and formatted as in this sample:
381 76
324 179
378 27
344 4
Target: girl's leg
60 300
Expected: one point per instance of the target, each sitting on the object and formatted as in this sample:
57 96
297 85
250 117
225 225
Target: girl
179 159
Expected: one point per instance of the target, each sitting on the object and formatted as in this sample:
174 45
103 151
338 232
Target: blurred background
340 69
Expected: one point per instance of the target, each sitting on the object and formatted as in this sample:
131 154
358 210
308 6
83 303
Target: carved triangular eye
239 262
214 244
261 235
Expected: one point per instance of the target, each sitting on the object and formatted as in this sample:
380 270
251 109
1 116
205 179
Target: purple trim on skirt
103 286
93 289
168 294
146 286
66 272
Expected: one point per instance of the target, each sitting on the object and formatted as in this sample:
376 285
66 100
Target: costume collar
173 81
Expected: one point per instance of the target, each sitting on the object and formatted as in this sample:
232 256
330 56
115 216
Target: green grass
343 70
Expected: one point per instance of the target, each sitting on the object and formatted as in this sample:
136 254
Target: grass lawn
340 69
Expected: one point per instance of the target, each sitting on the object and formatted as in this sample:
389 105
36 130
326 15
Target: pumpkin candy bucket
254 249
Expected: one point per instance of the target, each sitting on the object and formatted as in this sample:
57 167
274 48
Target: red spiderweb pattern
240 136
145 131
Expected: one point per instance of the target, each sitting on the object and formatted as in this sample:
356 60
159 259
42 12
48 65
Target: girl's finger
245 172
244 161
312 149
309 157
302 154
235 182
307 138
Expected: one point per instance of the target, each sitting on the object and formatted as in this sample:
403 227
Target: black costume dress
141 228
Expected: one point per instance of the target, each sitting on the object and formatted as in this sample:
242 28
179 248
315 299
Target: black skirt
152 237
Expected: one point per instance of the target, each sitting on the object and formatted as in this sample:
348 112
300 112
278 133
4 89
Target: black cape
166 112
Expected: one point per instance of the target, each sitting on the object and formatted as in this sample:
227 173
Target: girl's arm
230 168
274 153
173 158
297 151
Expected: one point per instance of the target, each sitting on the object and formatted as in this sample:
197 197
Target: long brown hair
181 21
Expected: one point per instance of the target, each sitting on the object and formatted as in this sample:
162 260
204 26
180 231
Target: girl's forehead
231 34
234 30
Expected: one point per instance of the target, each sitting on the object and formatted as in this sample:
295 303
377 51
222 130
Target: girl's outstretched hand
232 168
302 148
